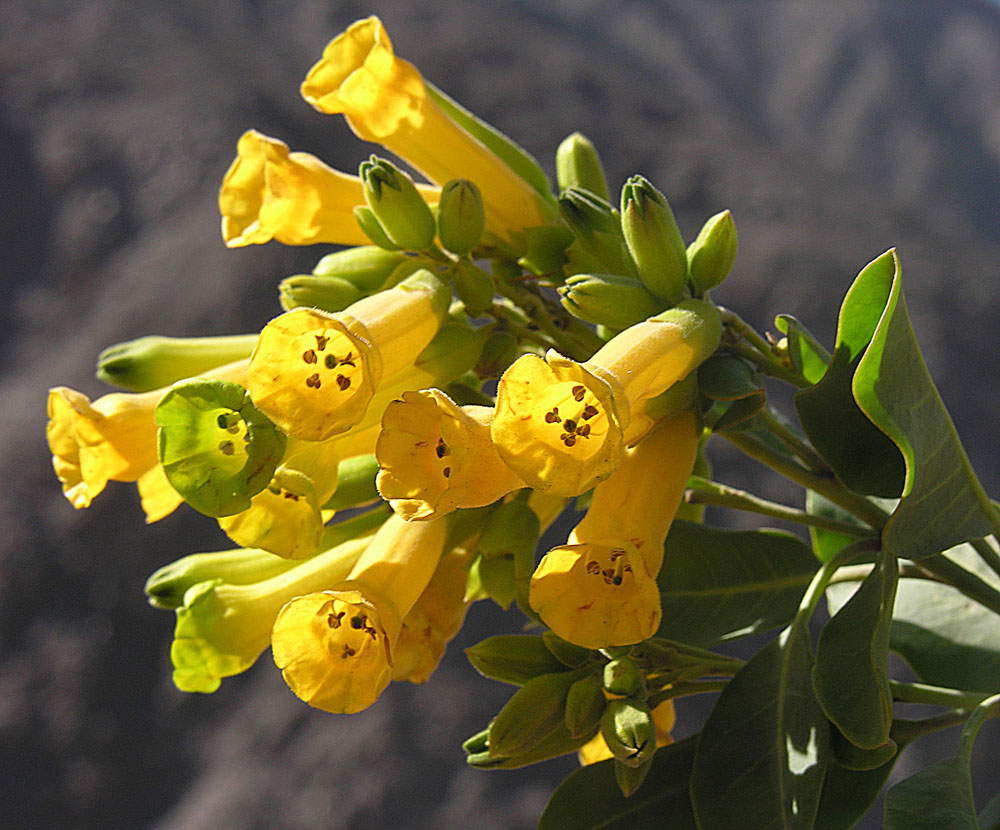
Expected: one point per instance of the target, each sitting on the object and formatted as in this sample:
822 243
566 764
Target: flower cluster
481 352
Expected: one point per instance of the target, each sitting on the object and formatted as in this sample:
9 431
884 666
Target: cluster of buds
483 351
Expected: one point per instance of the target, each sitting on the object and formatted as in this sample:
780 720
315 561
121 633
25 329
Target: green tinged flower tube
578 165
149 363
222 628
654 240
397 204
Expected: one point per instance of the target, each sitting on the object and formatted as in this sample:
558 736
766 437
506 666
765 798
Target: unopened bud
578 165
513 658
153 362
629 731
473 286
598 230
311 291
534 711
585 703
712 254
367 266
373 229
499 351
397 204
461 218
608 299
622 677
654 240
355 483
454 350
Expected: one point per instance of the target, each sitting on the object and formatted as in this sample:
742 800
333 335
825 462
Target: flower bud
152 362
460 219
499 351
622 677
311 291
654 240
585 704
473 286
712 254
367 267
629 731
397 204
513 658
578 165
598 230
496 578
534 711
373 229
355 483
609 299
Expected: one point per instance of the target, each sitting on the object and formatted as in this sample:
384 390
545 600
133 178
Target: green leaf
827 542
805 351
851 677
590 798
989 818
551 745
947 638
854 758
718 585
217 449
728 378
763 751
847 794
940 795
942 502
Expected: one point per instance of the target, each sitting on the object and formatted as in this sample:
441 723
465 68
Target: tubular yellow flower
335 647
436 456
111 439
159 499
223 628
562 426
314 374
664 718
269 193
385 100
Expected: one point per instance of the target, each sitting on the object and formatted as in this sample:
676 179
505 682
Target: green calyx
578 165
608 299
654 240
216 448
461 218
396 203
712 254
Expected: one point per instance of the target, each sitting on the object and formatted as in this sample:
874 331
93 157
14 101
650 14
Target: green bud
496 578
569 654
373 229
609 299
535 710
311 291
545 249
499 351
480 742
465 390
585 704
513 658
217 449
654 240
555 743
461 218
598 231
578 165
454 350
630 778
623 677
153 362
397 204
712 254
165 588
629 731
512 529
367 266
473 286
355 483
354 527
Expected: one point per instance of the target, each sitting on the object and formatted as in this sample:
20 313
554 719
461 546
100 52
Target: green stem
857 573
722 496
769 365
935 695
795 442
823 576
827 486
904 730
742 328
962 580
987 554
685 689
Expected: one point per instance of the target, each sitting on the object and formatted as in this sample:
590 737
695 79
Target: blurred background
832 132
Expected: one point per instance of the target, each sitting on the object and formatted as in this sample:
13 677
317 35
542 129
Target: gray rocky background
832 131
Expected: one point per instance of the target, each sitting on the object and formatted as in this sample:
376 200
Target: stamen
441 449
568 440
227 447
333 620
309 356
589 411
593 567
343 383
446 472
349 360
321 341
313 381
553 416
347 652
579 392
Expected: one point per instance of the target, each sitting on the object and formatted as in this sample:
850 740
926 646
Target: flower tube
436 456
334 647
269 193
562 426
386 101
599 589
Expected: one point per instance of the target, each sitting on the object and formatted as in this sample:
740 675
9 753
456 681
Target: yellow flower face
436 456
557 425
385 100
111 439
311 375
596 596
332 651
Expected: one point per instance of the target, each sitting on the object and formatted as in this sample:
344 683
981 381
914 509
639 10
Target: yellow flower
385 100
223 628
335 647
599 589
562 426
314 373
436 456
112 439
269 193
596 749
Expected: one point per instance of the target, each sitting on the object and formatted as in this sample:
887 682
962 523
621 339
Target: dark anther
349 360
589 411
321 341
569 425
333 620
226 447
568 440
579 392
343 383
446 472
309 357
553 416
347 652
313 381
584 431
593 567
441 449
